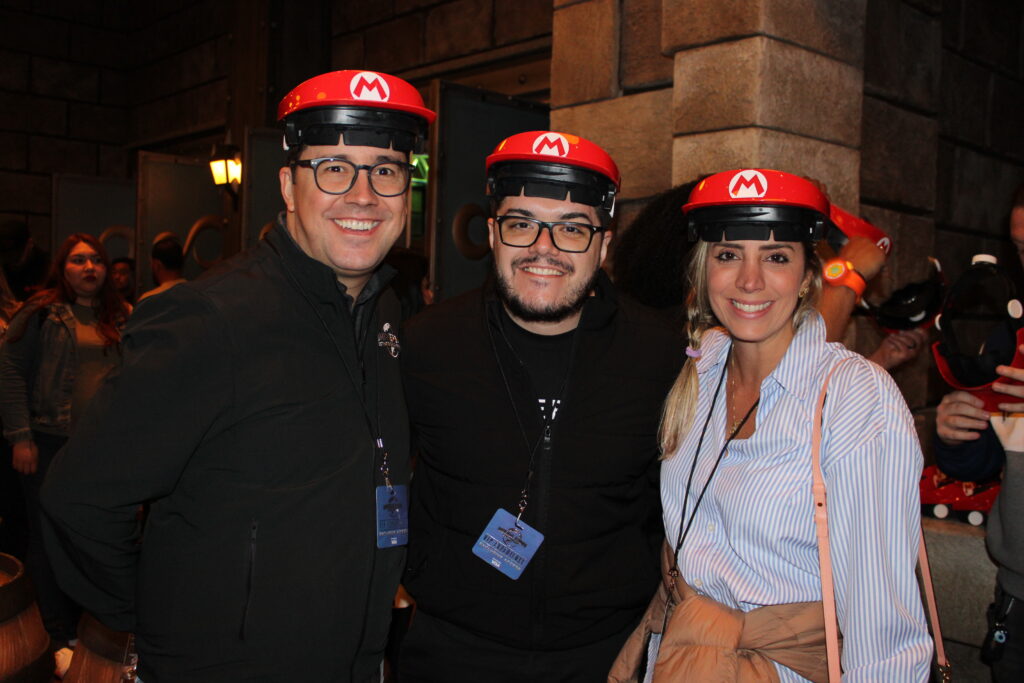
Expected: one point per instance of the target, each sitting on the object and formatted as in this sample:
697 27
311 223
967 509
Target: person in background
59 347
534 531
122 274
167 261
13 525
736 480
967 447
259 411
25 265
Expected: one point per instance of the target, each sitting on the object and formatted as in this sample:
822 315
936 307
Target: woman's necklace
734 421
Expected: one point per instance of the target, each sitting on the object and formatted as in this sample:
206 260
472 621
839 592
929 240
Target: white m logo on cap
748 184
552 144
367 85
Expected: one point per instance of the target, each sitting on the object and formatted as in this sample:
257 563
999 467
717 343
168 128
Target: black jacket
594 496
239 414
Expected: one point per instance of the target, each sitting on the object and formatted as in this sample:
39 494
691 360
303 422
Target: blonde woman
741 558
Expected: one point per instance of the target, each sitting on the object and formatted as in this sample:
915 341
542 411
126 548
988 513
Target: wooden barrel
99 654
24 644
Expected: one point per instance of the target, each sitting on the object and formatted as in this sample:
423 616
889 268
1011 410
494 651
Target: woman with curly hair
59 346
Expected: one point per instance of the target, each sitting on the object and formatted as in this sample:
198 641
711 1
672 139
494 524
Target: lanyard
373 426
684 524
545 438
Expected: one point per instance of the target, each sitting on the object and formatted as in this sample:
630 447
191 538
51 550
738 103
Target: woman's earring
803 292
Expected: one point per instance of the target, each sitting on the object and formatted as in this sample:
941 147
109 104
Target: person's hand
960 418
1010 431
867 258
1011 390
25 457
899 347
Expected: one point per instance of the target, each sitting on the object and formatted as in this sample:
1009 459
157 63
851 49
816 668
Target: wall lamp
226 167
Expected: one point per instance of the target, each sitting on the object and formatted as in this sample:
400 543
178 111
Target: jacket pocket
250 577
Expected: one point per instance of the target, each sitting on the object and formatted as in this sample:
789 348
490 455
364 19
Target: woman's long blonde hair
681 403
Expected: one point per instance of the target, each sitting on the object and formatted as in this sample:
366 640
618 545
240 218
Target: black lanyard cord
372 426
524 495
684 524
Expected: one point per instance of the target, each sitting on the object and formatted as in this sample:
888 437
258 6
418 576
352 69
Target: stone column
610 84
767 83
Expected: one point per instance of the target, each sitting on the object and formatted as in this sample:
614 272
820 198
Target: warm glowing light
226 166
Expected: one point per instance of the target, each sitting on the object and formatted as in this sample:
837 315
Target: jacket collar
317 279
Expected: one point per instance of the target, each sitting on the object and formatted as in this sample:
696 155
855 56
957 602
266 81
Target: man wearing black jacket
259 413
535 522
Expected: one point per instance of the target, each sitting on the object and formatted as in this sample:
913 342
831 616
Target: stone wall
64 106
495 44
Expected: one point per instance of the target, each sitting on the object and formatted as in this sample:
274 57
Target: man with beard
535 524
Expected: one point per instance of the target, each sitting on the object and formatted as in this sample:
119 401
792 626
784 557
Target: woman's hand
25 457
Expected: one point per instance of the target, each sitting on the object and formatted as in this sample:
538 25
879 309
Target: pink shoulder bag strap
828 596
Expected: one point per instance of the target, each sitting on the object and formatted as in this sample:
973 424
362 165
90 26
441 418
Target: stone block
347 16
529 77
85 11
394 45
903 48
765 82
898 156
458 28
992 34
32 114
21 32
24 193
99 123
701 154
193 25
1007 130
202 108
409 5
113 161
99 46
194 66
347 51
580 73
40 227
833 28
964 104
642 61
13 70
952 23
64 80
58 155
634 131
975 189
515 21
13 151
116 89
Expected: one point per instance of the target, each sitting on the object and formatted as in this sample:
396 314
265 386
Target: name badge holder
392 507
508 543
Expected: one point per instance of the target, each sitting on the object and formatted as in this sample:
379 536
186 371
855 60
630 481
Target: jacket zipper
253 528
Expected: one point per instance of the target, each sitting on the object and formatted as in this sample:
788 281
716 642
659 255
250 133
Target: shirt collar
792 373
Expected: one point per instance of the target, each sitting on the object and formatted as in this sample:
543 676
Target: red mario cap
549 164
367 107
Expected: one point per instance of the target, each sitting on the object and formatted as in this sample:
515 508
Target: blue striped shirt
752 542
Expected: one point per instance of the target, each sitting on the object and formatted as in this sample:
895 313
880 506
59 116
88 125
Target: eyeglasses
520 231
337 176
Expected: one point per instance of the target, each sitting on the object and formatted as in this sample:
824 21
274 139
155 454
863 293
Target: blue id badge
506 546
392 516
